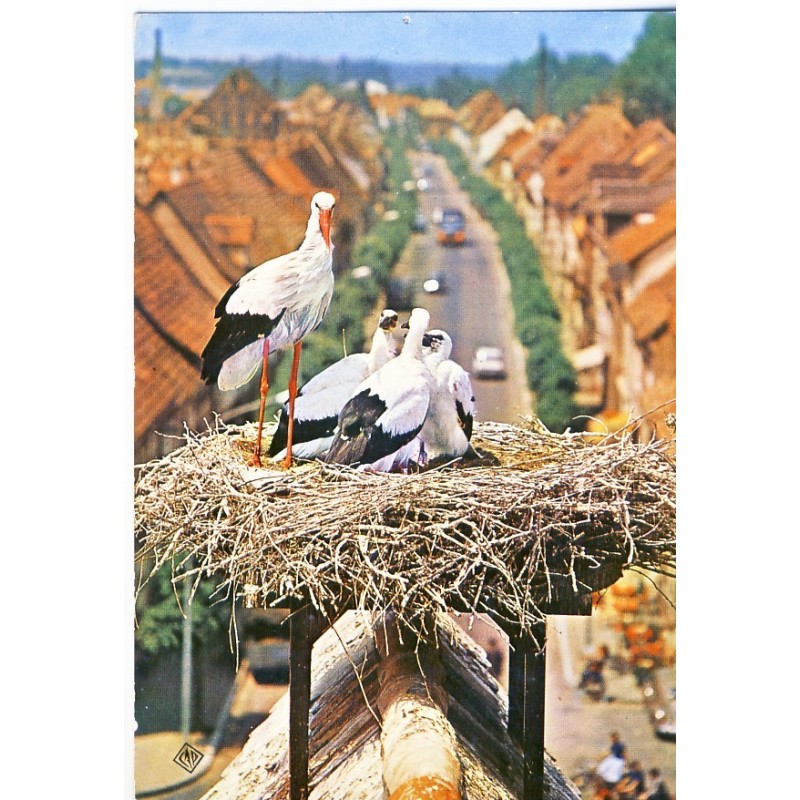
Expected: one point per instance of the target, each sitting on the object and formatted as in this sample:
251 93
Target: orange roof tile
167 291
594 138
230 229
635 240
286 175
480 112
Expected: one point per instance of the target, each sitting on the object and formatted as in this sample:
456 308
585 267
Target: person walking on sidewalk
657 789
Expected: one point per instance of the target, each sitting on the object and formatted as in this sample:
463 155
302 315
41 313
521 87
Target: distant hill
289 75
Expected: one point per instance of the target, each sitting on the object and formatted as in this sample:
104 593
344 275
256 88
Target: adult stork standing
447 430
320 400
378 424
272 307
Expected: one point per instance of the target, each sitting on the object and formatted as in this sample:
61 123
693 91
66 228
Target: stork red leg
292 394
256 460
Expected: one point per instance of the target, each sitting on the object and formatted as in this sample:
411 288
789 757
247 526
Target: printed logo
188 757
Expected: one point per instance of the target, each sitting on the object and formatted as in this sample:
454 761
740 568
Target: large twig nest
541 518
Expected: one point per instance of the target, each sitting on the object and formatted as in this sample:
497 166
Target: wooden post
516 689
533 714
300 643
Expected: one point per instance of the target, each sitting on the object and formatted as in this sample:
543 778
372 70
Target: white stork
270 308
448 426
320 399
378 424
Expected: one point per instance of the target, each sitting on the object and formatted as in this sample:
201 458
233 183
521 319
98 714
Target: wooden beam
516 689
300 644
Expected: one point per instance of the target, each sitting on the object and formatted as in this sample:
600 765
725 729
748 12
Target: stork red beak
325 225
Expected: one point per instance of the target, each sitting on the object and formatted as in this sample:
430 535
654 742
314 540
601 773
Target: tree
646 79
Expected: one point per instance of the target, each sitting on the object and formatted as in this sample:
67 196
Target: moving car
489 363
452 228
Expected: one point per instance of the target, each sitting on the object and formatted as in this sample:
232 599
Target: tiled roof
653 310
286 175
239 106
627 197
172 321
192 203
232 229
636 239
480 112
393 104
164 380
435 109
597 135
167 292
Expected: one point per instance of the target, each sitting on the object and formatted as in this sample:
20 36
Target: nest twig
540 518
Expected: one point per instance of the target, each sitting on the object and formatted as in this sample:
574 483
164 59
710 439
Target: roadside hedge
550 374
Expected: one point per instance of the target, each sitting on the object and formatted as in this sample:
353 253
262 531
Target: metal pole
186 662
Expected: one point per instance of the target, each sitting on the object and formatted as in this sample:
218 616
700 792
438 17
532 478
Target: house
437 118
492 139
648 290
239 108
392 108
475 116
379 729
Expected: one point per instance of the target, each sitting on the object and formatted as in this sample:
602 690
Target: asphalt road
474 306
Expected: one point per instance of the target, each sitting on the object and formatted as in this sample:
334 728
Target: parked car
489 363
400 294
452 228
434 283
419 222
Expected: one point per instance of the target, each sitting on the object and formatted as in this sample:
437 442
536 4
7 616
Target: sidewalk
155 767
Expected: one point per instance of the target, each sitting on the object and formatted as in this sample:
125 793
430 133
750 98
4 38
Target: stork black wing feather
359 440
233 332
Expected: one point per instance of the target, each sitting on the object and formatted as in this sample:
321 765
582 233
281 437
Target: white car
489 363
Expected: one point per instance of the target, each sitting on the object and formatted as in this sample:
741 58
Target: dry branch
541 518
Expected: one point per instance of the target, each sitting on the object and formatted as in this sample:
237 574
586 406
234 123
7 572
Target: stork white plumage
378 424
270 308
319 401
447 430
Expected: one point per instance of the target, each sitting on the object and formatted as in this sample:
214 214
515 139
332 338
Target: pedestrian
632 784
609 771
617 747
657 789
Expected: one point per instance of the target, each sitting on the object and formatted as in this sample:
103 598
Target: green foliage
569 84
160 621
456 88
646 79
549 372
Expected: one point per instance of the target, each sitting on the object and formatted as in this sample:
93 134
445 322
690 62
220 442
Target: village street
473 305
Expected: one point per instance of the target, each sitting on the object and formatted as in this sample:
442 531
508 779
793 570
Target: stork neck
413 342
379 352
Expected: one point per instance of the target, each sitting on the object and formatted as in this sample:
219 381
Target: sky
476 36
